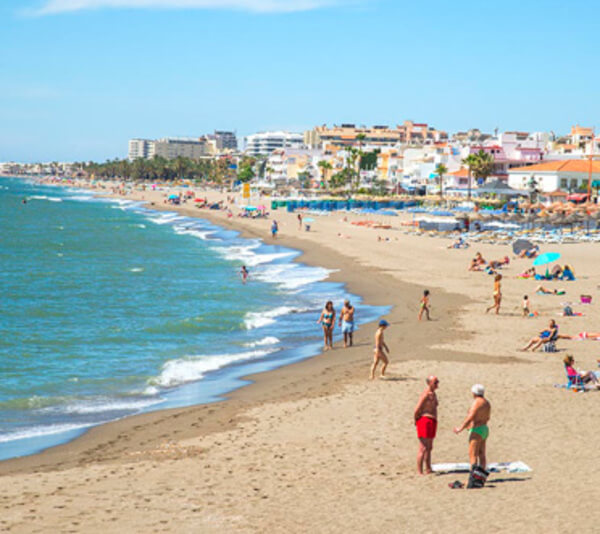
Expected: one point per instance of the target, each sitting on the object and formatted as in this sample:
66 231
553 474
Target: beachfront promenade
316 447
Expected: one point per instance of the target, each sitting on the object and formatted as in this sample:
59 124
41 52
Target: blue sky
81 77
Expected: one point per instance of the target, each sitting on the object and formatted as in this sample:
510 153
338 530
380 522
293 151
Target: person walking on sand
497 295
299 221
424 305
477 423
327 320
347 323
274 229
380 350
426 423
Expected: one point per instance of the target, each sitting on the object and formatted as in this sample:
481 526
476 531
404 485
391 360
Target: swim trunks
481 430
347 327
426 427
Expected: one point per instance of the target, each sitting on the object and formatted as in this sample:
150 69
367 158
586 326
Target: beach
317 447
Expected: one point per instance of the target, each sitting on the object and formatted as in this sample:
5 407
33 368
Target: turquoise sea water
110 309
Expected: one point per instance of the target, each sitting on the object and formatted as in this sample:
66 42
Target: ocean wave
81 198
44 197
254 320
136 270
104 405
268 340
166 218
39 431
185 230
193 368
247 255
292 275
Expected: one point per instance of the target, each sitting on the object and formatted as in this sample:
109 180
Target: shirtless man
380 349
426 423
476 421
347 323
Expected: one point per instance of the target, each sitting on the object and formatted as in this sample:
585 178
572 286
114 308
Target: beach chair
574 382
550 344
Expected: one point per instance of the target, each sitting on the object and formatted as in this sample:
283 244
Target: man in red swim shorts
426 423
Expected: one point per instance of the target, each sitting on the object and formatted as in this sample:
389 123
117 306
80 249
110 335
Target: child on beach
425 305
274 229
525 306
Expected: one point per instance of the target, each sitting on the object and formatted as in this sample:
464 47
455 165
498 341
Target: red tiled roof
569 165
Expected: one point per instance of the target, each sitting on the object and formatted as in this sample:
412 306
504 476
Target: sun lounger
496 467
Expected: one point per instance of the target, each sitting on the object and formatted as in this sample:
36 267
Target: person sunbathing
496 264
529 273
550 334
579 377
459 243
545 291
477 262
529 253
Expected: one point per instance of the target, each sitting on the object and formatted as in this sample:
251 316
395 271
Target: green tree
246 173
324 166
440 170
484 165
470 161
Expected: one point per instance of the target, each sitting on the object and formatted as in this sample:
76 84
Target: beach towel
497 467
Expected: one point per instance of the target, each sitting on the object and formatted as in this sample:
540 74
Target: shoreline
262 387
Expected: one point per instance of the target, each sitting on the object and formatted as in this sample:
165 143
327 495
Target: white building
141 148
550 176
264 143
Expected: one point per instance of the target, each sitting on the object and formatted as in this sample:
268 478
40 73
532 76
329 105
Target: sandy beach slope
316 447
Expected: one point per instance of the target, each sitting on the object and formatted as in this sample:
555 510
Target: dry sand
316 447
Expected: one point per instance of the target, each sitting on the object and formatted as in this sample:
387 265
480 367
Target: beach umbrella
250 208
546 258
173 196
261 207
522 244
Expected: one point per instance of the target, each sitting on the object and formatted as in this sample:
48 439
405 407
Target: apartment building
225 140
263 143
141 148
409 132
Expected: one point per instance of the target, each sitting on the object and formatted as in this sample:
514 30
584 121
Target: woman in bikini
327 320
497 295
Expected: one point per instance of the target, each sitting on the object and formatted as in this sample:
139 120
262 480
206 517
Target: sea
110 309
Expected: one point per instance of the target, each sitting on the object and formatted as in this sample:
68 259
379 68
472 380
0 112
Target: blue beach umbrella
250 208
173 196
544 259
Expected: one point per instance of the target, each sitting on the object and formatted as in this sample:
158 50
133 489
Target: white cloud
51 7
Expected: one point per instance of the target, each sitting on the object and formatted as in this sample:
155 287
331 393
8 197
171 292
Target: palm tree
484 165
324 166
440 170
470 161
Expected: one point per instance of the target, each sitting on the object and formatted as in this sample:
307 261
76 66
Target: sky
78 78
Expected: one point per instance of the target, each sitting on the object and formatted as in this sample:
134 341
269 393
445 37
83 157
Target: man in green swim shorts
476 421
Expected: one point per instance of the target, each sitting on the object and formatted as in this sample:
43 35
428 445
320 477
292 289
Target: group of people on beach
346 322
476 421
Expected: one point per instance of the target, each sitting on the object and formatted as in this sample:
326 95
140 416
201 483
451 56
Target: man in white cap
476 421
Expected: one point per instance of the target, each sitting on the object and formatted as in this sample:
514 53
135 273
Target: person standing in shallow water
381 348
426 423
347 323
327 320
274 229
244 274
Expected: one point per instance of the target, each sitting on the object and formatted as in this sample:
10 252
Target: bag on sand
477 477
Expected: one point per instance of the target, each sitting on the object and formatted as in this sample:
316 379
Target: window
563 183
573 183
